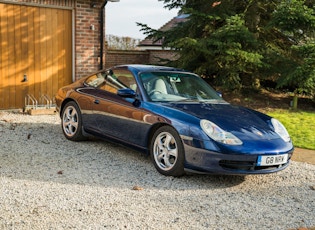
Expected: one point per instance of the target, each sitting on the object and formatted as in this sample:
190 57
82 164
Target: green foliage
301 73
296 21
234 42
294 18
300 126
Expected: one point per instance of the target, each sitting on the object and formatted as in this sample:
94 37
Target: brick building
46 44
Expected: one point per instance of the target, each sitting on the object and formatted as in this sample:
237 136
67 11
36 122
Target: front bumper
205 161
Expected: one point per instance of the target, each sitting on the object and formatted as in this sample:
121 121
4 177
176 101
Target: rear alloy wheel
71 122
167 152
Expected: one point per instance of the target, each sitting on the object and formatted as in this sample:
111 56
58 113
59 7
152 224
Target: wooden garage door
35 52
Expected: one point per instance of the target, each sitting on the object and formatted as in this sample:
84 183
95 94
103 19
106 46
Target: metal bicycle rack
45 102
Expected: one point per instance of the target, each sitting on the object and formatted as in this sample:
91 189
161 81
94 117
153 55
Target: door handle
96 101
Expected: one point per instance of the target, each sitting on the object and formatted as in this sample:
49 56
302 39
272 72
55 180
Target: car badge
257 132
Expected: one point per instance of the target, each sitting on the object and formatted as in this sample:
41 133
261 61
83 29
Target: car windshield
175 86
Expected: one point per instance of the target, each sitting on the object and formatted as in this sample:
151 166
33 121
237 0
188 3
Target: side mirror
127 93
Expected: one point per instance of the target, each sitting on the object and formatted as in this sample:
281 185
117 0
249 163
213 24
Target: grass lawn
300 125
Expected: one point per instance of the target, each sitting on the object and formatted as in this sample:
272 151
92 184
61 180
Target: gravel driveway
48 182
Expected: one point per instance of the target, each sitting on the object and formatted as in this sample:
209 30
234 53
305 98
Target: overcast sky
121 17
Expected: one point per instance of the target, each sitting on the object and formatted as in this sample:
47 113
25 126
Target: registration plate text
272 160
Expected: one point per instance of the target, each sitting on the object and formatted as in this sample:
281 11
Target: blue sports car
177 118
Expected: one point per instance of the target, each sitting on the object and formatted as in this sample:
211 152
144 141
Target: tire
167 152
71 122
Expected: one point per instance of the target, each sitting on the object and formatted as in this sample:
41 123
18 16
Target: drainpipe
102 15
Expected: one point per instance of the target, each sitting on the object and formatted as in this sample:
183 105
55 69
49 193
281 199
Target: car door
85 97
117 117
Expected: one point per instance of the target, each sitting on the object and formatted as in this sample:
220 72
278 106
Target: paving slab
304 155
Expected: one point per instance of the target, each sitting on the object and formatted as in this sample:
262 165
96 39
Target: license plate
272 160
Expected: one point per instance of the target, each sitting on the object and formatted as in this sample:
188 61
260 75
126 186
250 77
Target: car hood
242 122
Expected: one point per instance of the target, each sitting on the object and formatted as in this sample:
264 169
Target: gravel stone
48 182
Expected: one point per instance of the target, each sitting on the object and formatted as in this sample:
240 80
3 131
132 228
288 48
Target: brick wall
87 37
119 57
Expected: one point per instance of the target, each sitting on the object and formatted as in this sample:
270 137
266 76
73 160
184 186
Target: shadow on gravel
40 152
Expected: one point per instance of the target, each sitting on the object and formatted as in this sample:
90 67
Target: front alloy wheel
71 122
167 152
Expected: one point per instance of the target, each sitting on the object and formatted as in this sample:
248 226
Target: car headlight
218 134
280 130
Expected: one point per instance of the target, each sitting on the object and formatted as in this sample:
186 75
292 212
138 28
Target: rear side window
118 79
96 80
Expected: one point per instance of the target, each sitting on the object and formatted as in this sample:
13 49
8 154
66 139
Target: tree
240 42
121 43
299 26
214 41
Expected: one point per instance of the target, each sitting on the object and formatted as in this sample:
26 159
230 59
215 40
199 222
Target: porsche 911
175 117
